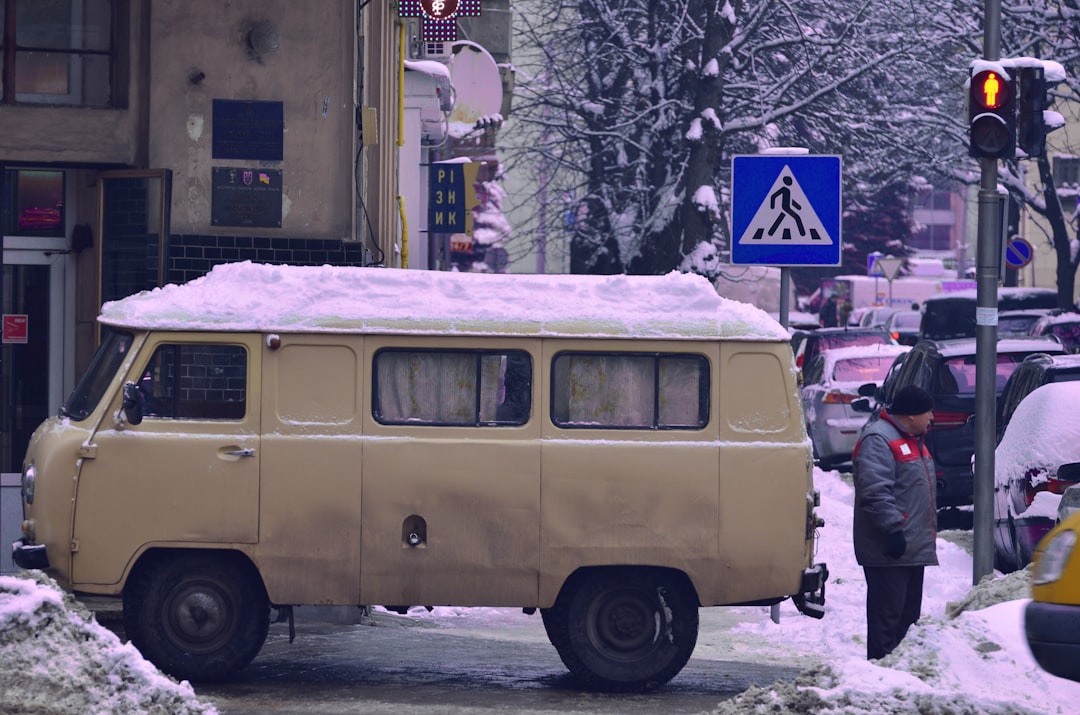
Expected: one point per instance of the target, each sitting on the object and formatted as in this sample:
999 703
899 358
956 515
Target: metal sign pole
785 291
986 317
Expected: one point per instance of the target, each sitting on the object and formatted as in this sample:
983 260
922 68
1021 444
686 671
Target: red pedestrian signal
992 115
992 91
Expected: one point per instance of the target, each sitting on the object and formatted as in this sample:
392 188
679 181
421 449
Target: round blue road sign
1018 253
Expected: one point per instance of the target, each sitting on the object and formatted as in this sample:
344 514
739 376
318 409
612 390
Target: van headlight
28 477
1054 557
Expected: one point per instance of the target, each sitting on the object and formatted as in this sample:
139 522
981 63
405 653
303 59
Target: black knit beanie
911 400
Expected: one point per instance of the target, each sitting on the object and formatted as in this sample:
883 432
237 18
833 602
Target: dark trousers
893 604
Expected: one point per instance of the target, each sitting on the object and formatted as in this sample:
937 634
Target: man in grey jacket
895 525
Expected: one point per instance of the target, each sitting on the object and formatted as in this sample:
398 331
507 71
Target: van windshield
103 366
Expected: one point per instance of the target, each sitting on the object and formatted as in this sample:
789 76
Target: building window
936 200
32 203
64 52
629 391
1066 171
933 237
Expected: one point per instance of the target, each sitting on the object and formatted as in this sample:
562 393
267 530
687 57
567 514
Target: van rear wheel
624 630
197 617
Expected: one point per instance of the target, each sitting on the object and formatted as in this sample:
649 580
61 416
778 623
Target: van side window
630 391
466 388
196 382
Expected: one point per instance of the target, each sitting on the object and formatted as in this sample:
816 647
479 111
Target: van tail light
896 335
836 397
799 361
950 420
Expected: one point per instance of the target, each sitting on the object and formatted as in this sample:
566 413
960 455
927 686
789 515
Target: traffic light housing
1030 126
992 115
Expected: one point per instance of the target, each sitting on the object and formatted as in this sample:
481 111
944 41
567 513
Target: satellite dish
477 83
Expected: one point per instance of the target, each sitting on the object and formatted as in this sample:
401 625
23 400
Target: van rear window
464 388
630 391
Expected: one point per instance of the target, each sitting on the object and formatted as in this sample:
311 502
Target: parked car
807 344
1063 326
830 383
798 320
946 369
875 317
1018 323
1052 617
856 316
952 315
1043 434
1070 498
903 326
1035 371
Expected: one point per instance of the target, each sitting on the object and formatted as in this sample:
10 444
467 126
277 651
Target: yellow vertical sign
452 197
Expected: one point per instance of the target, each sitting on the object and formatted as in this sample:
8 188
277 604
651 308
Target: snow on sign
785 210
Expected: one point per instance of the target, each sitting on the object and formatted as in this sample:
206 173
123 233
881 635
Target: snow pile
992 590
931 673
967 655
57 660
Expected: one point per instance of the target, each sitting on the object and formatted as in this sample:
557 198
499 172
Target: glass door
35 357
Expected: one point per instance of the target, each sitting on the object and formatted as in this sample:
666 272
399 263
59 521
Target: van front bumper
29 556
1053 635
811 597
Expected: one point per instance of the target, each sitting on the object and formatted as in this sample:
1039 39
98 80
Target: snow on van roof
256 297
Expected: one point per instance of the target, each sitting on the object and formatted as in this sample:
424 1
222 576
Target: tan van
613 451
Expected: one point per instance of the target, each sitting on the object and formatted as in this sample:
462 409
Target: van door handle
246 452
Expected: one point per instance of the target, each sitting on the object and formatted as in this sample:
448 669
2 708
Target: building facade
145 141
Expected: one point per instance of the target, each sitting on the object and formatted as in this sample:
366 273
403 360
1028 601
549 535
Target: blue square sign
785 210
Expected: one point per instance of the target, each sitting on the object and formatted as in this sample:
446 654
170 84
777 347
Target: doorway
36 359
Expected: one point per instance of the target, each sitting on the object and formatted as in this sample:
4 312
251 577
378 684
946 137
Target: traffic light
992 115
1030 127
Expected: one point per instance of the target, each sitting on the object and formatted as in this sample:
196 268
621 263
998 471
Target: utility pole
986 319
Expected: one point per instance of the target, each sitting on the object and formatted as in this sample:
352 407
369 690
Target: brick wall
192 256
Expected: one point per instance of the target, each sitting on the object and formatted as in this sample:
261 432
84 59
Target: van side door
188 473
450 510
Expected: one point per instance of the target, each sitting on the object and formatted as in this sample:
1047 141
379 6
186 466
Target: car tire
195 616
624 629
551 626
1009 562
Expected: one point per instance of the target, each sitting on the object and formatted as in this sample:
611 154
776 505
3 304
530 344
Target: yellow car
1052 619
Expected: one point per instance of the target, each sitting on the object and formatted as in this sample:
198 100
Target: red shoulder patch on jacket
906 449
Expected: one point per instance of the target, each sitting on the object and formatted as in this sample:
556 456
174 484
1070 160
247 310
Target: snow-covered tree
1049 30
642 103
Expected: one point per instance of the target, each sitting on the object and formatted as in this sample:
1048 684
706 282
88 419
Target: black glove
895 544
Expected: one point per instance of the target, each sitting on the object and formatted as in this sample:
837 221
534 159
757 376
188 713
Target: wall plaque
248 130
246 197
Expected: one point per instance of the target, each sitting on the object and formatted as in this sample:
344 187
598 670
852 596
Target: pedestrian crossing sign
785 210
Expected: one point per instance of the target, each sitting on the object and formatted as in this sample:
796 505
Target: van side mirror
133 403
862 404
868 389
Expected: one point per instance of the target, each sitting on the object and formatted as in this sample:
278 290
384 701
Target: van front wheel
625 630
197 617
